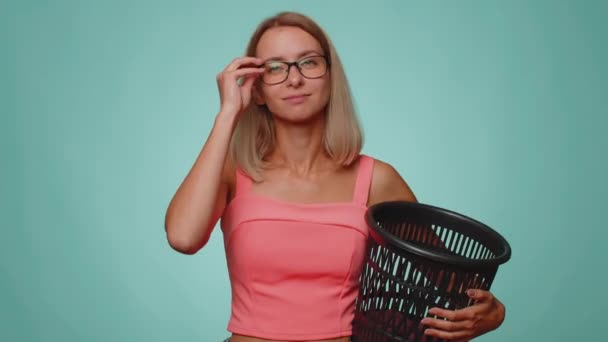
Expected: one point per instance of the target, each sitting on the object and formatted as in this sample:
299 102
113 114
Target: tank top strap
243 182
364 180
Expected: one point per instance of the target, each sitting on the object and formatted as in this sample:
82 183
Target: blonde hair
254 135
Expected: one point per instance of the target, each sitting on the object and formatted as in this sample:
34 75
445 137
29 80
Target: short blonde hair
254 135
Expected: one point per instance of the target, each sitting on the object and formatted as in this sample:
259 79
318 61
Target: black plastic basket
419 257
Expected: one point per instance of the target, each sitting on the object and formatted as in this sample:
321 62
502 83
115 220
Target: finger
247 71
449 335
239 62
441 324
455 315
243 76
240 73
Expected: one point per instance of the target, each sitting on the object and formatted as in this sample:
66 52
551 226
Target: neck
299 147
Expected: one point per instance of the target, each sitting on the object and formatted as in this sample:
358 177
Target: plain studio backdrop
494 109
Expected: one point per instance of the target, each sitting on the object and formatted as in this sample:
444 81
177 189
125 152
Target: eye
275 67
309 62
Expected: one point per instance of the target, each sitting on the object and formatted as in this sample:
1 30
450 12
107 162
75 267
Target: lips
296 99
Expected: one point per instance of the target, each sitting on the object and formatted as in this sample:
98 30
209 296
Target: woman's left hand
485 315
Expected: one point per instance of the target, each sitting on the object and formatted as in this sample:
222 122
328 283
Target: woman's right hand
234 98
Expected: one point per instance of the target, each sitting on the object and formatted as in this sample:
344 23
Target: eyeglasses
310 67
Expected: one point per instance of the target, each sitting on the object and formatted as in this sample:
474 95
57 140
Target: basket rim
432 254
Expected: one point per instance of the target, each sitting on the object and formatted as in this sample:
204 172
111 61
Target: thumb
246 89
478 295
248 82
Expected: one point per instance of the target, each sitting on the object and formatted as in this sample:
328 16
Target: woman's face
297 98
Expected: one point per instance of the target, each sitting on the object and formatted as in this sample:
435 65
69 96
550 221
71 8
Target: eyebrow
304 53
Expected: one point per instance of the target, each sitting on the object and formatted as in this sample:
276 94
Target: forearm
198 202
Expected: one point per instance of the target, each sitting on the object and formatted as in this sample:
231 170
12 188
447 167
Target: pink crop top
294 267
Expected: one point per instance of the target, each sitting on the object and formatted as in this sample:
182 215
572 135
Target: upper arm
226 186
388 185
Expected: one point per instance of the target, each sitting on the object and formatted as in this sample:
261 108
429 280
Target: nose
294 78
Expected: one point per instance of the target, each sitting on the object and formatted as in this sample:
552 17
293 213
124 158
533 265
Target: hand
235 98
485 315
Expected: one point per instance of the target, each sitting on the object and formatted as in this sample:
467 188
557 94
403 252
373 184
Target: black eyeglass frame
297 65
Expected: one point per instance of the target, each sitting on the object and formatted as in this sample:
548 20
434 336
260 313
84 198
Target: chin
300 116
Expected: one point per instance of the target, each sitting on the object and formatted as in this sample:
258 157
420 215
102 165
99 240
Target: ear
257 94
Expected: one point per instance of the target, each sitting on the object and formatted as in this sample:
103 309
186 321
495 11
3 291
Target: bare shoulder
388 185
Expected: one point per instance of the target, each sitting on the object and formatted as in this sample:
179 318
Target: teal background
495 109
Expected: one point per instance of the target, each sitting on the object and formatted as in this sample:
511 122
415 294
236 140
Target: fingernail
471 293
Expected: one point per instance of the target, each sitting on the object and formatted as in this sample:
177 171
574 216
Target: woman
283 169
